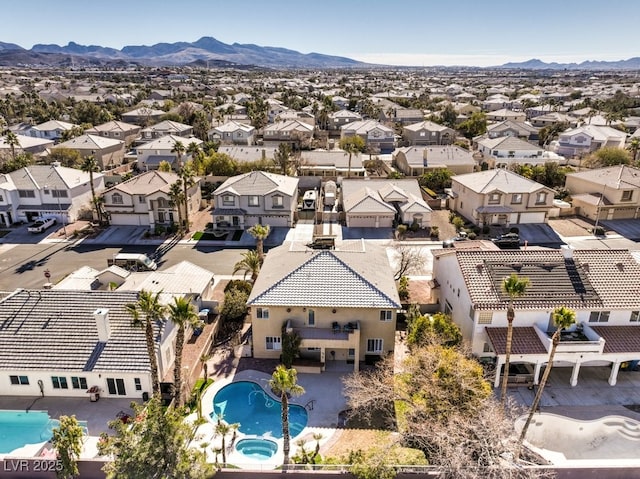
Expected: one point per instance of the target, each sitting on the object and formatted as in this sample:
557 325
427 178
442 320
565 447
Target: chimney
102 323
567 251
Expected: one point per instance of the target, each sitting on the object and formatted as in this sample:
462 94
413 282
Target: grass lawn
201 235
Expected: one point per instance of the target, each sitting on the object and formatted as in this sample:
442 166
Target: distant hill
535 64
206 49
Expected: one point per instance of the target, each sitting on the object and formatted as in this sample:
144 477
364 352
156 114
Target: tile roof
508 143
619 339
56 329
84 142
147 183
182 278
55 177
497 180
524 341
258 183
615 177
168 142
350 279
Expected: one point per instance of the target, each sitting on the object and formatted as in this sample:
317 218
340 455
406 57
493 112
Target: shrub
403 288
414 226
401 230
435 232
472 235
486 229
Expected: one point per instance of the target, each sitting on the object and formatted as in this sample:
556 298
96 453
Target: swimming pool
245 402
19 428
260 449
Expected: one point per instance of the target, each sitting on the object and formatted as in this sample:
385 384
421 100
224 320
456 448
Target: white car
40 224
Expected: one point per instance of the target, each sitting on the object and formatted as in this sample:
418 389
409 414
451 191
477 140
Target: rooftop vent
101 316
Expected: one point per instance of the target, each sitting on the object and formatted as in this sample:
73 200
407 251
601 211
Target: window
448 309
138 384
635 316
277 201
374 345
262 313
1 198
627 195
26 193
116 386
516 199
228 200
312 317
494 198
59 382
78 382
386 315
254 200
273 343
116 198
541 198
599 317
141 199
59 193
487 348
352 352
19 380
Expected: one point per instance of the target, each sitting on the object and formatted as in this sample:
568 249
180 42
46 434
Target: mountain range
207 49
212 52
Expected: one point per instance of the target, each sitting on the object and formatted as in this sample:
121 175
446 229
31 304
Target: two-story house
500 197
145 200
338 119
49 130
46 190
342 305
377 137
116 130
295 132
427 133
108 152
417 160
606 193
151 154
164 128
502 152
516 129
253 198
143 116
588 138
233 133
599 285
331 163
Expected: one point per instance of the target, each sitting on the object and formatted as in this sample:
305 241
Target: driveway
630 229
119 235
367 233
539 234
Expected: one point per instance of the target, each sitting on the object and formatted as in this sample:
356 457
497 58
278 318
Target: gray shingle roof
360 279
56 330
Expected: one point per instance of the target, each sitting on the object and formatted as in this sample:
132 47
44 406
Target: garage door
364 221
274 221
118 219
623 213
526 218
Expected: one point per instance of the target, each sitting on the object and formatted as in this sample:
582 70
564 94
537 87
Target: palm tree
205 367
260 233
223 429
514 287
352 145
188 180
91 166
633 147
12 140
149 306
176 195
284 383
250 263
183 314
563 318
178 149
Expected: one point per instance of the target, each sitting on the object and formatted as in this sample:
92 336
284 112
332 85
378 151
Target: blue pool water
260 449
245 402
19 428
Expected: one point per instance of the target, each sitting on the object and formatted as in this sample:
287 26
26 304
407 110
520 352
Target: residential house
253 198
331 163
49 130
233 133
151 154
26 144
506 114
164 128
46 190
249 154
295 132
497 102
504 151
500 197
427 133
403 116
588 138
382 203
107 152
342 305
275 108
377 137
143 116
116 130
606 193
599 285
145 200
516 129
339 118
417 160
552 118
303 116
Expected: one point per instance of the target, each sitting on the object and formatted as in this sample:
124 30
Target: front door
116 386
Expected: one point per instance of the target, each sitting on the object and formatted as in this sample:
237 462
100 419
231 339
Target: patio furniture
336 327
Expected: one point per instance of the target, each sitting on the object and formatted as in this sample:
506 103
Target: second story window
228 200
262 313
116 198
541 198
494 198
254 200
516 199
627 195
26 193
386 315
277 201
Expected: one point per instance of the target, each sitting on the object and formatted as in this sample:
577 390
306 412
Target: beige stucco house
108 152
342 304
416 160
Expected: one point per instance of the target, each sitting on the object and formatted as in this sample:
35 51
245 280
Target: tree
187 176
514 287
182 314
448 116
290 346
67 441
257 110
165 167
563 318
177 197
436 179
550 132
250 263
633 147
433 329
408 259
223 429
65 156
352 145
90 165
284 383
154 444
260 233
12 140
476 125
607 156
179 149
234 306
282 157
204 360
146 312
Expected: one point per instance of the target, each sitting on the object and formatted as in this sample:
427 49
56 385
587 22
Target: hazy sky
394 32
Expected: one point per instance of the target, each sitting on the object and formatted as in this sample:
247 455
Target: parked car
41 224
507 240
133 262
449 243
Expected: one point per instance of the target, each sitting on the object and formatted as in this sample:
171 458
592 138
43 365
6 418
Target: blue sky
394 32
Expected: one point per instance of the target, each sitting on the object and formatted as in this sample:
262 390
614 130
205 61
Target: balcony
580 339
338 335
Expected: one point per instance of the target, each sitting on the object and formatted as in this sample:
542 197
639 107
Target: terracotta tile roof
524 341
620 339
